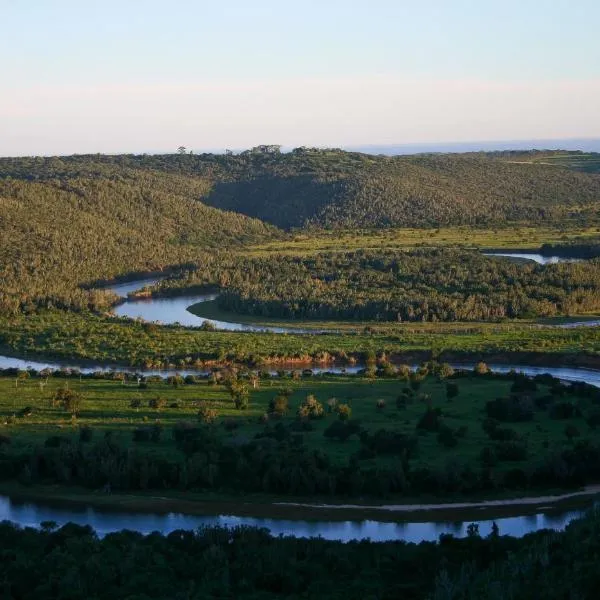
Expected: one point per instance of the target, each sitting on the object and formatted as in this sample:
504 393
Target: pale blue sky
144 75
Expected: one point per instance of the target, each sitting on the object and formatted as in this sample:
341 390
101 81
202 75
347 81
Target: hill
61 228
337 189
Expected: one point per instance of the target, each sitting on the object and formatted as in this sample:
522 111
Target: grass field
516 238
106 406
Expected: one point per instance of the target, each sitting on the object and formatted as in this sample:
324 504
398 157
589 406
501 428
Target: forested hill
61 228
333 188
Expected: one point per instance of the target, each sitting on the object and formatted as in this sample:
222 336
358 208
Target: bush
157 403
135 403
278 406
344 412
481 369
311 408
206 414
68 399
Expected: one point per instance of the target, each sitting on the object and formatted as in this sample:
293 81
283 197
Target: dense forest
416 285
65 231
67 221
333 188
246 563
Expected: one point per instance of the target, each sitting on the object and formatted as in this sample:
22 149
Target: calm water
538 258
32 514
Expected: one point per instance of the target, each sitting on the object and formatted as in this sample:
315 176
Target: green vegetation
389 432
60 230
416 285
83 336
248 563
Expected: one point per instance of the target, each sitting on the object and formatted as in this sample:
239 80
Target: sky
149 76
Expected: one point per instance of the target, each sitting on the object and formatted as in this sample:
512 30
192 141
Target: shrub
206 414
344 412
311 408
481 369
157 403
135 403
68 399
278 406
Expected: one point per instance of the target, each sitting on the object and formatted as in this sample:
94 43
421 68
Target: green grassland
106 406
517 236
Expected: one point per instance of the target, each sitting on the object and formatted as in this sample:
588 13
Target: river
28 514
175 310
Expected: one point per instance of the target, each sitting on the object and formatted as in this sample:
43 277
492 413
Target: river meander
172 310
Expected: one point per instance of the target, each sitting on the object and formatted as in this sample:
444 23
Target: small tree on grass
240 394
68 399
344 412
157 403
481 368
445 371
311 408
278 406
206 414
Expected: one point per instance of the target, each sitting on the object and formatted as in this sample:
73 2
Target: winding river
171 310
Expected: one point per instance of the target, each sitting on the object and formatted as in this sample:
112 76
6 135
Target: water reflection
31 515
538 258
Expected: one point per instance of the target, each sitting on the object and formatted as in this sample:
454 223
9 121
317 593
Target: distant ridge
583 144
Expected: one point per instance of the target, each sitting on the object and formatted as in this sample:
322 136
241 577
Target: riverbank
261 507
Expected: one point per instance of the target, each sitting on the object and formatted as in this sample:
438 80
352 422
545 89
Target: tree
445 371
206 414
481 368
311 408
278 406
68 399
240 394
344 412
181 150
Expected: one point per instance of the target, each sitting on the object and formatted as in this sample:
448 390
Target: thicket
415 285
